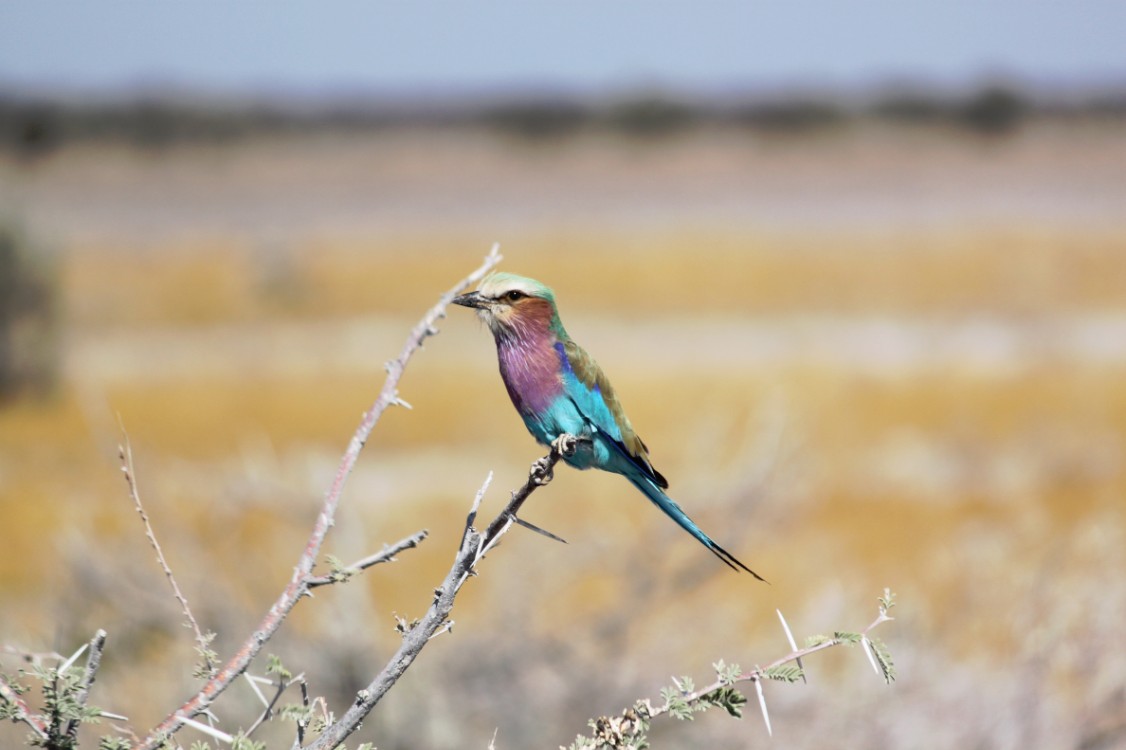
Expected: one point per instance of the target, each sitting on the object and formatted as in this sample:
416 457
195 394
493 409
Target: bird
558 388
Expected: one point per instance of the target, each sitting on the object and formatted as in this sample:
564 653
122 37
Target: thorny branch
387 554
474 545
125 454
48 728
629 729
280 687
93 661
299 583
758 674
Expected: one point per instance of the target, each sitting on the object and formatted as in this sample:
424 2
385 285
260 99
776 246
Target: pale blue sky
452 46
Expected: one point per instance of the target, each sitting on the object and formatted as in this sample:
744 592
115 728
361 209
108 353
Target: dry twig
387 554
125 454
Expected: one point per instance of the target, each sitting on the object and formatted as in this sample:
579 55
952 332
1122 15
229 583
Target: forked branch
299 584
474 545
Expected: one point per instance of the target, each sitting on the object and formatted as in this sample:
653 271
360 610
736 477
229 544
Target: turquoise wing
590 391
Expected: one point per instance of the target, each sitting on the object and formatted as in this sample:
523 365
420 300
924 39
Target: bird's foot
543 471
565 445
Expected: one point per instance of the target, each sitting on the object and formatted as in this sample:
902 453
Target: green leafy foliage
242 742
728 674
62 705
60 696
114 743
727 698
9 711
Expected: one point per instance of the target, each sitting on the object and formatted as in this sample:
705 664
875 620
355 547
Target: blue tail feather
674 511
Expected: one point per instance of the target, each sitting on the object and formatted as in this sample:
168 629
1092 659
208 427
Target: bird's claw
565 445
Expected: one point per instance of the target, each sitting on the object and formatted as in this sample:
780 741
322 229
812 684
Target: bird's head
511 304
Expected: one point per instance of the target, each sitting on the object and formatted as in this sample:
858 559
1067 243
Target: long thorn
762 705
537 529
793 644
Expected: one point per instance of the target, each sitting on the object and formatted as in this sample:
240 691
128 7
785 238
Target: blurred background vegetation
35 125
873 338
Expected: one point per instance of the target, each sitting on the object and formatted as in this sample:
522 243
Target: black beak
473 299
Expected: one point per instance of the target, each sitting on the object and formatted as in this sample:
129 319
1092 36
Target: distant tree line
33 125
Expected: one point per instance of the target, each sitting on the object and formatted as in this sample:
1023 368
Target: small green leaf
114 743
727 698
274 666
242 742
205 667
678 707
887 601
727 673
338 571
883 658
784 673
847 637
296 712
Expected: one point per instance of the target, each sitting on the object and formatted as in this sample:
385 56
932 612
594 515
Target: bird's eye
515 295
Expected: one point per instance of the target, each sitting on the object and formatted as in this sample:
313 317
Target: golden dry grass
826 402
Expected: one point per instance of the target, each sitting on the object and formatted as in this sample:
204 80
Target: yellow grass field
864 360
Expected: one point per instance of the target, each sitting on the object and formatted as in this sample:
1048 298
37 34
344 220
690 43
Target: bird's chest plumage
533 373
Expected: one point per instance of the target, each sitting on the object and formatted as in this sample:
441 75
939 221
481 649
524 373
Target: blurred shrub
29 129
650 116
796 115
991 110
995 110
28 352
547 118
911 107
1111 105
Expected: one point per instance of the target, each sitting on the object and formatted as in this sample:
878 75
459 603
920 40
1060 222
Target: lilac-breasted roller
558 388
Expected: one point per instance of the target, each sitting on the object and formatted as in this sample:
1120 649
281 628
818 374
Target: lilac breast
530 370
